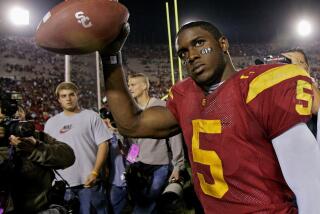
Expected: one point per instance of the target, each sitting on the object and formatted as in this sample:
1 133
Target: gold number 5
301 95
210 158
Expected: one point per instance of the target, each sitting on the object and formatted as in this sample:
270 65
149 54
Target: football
81 27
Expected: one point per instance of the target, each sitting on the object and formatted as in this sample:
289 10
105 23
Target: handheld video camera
273 60
104 113
11 124
276 59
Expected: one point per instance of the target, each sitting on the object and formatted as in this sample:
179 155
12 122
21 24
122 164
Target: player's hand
116 46
90 181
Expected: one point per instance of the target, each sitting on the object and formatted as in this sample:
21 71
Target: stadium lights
19 16
304 28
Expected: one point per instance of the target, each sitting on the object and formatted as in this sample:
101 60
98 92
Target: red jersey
228 135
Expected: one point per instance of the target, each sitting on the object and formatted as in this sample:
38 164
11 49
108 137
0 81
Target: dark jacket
32 175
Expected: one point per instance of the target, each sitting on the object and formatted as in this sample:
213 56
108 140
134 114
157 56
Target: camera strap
62 179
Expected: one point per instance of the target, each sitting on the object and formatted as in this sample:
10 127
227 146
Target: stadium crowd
26 68
35 73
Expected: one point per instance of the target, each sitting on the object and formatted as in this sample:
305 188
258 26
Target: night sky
251 21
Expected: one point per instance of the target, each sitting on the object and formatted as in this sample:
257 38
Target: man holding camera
26 168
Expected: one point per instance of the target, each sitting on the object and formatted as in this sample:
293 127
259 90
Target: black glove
115 47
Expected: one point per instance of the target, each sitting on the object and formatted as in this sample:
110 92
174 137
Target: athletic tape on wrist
113 59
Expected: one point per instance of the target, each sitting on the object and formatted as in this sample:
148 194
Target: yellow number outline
210 158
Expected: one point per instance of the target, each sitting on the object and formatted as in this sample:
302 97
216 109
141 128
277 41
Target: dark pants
118 198
152 192
92 200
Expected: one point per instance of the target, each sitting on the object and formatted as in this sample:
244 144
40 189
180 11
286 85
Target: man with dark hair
248 144
215 32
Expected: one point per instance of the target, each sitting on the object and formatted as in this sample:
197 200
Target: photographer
27 163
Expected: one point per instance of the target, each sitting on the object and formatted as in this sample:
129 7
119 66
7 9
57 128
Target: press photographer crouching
27 163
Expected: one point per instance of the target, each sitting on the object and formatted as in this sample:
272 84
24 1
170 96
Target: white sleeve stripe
299 158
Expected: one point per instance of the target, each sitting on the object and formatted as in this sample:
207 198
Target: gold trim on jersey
272 77
170 94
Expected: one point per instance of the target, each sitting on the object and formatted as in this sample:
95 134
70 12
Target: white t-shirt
83 131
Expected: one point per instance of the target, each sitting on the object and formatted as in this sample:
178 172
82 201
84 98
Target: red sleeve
284 102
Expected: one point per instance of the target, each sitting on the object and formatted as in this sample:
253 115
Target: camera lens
22 129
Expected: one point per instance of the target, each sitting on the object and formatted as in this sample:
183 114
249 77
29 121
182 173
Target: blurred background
255 29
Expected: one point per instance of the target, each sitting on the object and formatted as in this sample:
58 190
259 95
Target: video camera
276 59
273 60
12 125
104 113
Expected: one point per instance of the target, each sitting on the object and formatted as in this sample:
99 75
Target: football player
248 143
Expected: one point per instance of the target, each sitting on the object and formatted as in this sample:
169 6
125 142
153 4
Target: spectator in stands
86 133
154 154
243 129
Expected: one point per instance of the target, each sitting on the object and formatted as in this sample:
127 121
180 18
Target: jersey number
301 95
210 158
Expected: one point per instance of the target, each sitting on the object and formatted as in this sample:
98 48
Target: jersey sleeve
280 98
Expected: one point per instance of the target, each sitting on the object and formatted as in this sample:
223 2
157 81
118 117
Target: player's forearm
156 122
121 104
